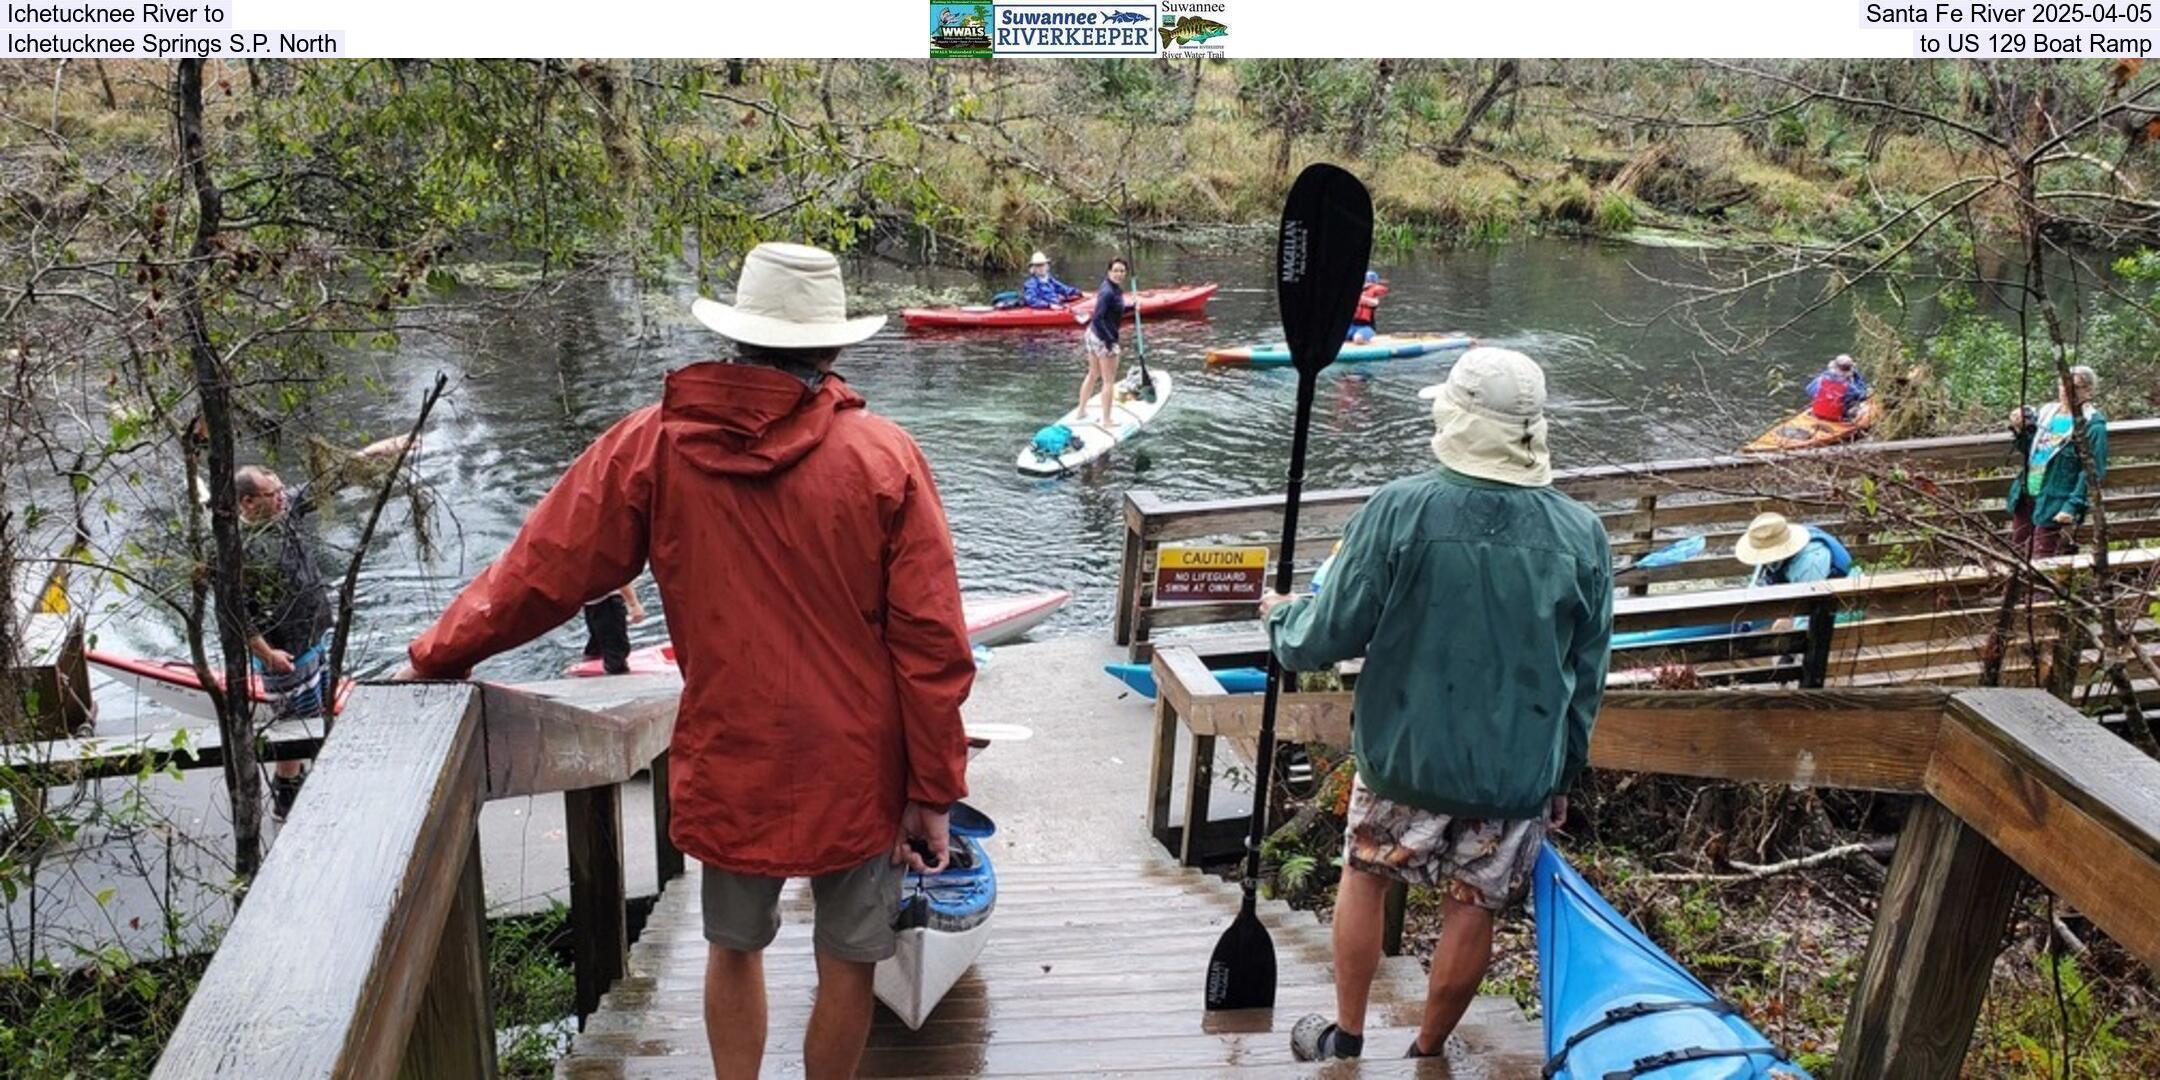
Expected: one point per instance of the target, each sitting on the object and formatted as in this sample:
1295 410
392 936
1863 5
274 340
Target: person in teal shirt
2048 497
1482 602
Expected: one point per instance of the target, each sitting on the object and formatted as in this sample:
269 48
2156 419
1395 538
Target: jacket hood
747 420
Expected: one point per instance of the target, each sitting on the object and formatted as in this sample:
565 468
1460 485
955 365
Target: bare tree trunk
1370 112
105 84
214 391
1503 74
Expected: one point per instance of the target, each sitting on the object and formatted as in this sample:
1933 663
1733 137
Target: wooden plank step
1058 982
1128 1016
1094 1051
1042 938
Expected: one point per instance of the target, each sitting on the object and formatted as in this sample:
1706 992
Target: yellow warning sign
1187 575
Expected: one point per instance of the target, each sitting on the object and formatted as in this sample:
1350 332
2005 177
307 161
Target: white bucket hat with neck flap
1489 418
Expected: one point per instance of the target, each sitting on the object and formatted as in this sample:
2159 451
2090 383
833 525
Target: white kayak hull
925 968
1130 415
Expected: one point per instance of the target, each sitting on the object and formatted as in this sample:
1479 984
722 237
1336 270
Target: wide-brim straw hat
1489 418
789 296
1769 539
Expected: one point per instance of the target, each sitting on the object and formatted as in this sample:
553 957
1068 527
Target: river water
529 393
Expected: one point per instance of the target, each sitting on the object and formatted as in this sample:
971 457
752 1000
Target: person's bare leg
735 1011
1087 387
291 767
1109 387
840 1021
1360 914
1458 966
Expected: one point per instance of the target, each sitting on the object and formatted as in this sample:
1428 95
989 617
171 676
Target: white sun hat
789 296
1489 418
1038 259
1769 538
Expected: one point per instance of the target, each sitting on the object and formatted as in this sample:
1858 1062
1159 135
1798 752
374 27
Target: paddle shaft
1264 759
1132 280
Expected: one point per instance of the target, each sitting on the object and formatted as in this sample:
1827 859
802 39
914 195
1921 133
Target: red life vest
1829 403
1368 302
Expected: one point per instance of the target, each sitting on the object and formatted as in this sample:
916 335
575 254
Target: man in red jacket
803 560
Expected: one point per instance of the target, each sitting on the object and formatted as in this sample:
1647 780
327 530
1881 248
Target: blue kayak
1384 347
1616 1007
943 921
1141 677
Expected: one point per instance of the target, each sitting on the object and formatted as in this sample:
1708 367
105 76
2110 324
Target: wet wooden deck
1090 970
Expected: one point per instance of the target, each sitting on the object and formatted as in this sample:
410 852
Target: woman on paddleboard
1099 344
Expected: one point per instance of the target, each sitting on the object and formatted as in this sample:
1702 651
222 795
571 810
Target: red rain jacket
807 573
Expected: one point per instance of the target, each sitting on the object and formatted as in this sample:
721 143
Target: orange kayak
1805 429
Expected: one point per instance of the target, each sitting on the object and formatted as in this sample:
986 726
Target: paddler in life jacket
1785 554
1362 326
1834 394
1041 290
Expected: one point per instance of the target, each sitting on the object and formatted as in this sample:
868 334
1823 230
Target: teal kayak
1141 678
1617 1007
1384 347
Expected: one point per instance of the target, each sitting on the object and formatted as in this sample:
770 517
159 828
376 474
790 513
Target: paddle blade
1241 974
1321 256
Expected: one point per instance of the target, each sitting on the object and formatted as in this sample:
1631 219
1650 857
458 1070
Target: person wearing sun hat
803 558
1481 599
1041 290
1785 554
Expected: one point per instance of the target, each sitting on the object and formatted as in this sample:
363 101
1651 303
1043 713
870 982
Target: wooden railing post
667 858
454 1035
599 925
1129 568
1937 929
1648 533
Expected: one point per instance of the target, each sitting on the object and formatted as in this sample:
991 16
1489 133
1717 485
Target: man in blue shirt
1041 290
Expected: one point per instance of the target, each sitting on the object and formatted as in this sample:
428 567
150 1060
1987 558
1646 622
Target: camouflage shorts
1478 861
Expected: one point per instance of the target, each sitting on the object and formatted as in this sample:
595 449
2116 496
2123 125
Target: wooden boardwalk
1090 970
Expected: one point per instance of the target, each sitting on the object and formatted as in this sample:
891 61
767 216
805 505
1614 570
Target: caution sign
1210 575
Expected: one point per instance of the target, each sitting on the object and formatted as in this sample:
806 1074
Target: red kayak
1175 300
992 621
172 683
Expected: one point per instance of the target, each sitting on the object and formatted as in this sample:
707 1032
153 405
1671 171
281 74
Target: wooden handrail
1713 497
323 970
2012 781
359 951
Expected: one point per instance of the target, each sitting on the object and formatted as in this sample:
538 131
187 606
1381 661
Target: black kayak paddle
1320 261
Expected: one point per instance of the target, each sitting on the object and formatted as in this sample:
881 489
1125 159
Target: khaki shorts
1479 861
855 910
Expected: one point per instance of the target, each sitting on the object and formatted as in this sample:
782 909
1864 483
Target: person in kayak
1363 326
2048 498
802 554
607 629
1837 391
1041 289
289 607
1781 554
1481 599
1099 344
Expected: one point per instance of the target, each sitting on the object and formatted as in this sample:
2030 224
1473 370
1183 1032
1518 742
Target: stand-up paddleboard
943 922
992 620
1383 347
1617 1006
1090 439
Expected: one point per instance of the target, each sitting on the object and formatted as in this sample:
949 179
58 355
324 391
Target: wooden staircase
1090 970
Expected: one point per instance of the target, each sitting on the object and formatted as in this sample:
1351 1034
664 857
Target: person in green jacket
1482 602
2048 497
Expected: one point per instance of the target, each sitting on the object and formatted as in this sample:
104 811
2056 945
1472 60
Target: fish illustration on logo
1190 30
1125 17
